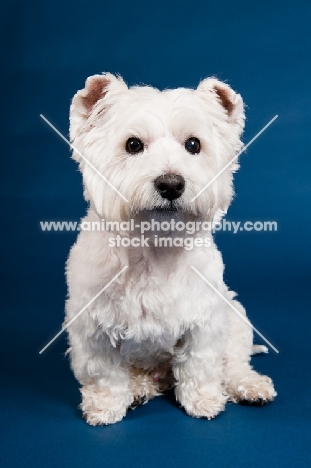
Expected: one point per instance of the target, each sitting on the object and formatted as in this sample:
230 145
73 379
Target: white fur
158 318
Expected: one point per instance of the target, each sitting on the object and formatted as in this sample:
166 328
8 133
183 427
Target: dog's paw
254 388
100 407
102 417
202 404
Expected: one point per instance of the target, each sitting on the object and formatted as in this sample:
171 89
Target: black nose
170 186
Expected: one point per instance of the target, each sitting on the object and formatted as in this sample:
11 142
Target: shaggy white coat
159 322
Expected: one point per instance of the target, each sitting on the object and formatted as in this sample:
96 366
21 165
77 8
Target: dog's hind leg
241 381
146 384
143 387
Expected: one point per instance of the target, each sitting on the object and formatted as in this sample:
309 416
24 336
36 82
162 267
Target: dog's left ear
230 103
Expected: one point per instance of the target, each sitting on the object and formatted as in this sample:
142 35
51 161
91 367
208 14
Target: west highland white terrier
157 324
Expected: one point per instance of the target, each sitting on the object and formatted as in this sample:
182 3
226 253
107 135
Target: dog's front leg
197 367
104 376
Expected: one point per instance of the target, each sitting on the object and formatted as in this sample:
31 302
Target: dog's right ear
97 88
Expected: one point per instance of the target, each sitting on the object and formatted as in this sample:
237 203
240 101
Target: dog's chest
160 305
155 303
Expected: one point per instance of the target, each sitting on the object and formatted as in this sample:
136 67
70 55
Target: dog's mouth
166 209
165 213
172 209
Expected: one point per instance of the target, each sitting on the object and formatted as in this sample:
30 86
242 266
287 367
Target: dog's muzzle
170 186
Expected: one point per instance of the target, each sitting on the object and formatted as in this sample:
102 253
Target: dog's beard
164 213
165 208
168 208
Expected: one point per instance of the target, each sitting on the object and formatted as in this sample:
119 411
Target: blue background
48 49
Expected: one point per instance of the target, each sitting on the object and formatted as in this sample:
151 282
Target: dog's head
157 149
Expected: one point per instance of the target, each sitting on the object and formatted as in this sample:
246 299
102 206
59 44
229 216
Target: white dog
158 324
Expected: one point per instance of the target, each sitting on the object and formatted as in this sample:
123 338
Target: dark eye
134 145
193 145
